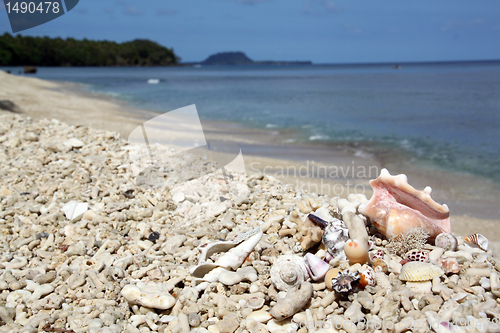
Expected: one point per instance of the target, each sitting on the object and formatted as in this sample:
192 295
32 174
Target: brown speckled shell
417 255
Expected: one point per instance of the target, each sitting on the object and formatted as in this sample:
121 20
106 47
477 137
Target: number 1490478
31 7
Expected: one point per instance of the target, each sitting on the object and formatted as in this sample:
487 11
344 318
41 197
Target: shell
288 271
380 265
316 268
356 251
335 236
330 275
367 276
417 255
233 256
396 207
449 265
478 240
345 282
446 241
415 271
376 254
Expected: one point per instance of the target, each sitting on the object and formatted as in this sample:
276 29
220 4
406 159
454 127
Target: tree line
45 51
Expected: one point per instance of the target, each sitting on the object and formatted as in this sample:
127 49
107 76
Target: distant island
240 58
45 51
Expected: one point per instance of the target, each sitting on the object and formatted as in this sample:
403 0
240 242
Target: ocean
440 115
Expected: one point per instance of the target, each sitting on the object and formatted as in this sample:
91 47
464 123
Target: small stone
45 278
178 197
354 313
194 319
74 143
154 236
41 235
229 324
294 301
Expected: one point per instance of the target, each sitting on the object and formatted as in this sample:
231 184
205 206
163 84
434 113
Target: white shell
232 259
316 267
74 209
416 271
446 241
288 271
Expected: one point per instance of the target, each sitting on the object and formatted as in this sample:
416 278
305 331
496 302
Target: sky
322 31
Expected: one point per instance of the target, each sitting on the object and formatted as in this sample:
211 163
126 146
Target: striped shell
417 255
446 241
415 271
478 240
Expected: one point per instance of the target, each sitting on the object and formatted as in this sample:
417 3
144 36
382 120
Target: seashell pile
86 246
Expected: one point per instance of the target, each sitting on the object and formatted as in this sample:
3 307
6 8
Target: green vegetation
45 51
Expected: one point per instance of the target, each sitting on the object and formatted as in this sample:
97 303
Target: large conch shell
233 257
396 207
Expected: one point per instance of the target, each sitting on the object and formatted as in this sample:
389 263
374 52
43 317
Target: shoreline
66 102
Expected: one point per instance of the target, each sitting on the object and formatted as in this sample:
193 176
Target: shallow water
442 116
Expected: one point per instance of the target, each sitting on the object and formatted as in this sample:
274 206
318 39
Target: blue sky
324 31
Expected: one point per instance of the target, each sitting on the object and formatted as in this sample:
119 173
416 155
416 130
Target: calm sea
445 115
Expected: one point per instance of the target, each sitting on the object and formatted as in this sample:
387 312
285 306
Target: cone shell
417 255
367 275
376 254
478 240
415 271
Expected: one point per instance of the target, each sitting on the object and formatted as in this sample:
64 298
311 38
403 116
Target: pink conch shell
396 207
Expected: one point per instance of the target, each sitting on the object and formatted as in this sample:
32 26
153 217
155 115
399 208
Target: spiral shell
415 271
478 240
446 241
288 271
417 255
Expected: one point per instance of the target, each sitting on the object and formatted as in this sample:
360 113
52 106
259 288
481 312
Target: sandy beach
335 171
92 242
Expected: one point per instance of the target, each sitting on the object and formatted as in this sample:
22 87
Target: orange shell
331 274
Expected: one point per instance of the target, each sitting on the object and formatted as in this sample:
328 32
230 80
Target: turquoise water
445 115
